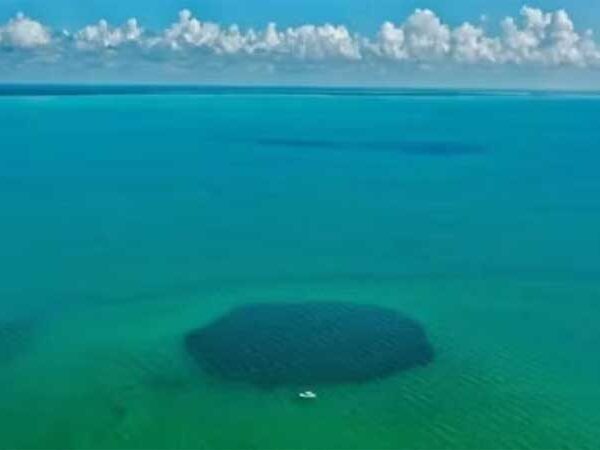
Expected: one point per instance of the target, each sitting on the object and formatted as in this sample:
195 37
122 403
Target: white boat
309 395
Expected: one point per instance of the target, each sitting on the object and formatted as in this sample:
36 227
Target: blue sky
396 42
363 15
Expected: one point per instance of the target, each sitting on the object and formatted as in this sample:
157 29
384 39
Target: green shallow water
130 220
503 377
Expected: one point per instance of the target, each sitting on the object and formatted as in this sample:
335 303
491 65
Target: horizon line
14 89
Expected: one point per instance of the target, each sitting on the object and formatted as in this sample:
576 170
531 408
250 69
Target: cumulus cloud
425 36
103 36
304 42
548 38
535 38
24 33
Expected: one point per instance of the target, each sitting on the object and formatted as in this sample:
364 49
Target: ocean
131 216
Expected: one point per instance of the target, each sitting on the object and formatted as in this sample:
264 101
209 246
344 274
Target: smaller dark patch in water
309 343
431 148
118 410
16 337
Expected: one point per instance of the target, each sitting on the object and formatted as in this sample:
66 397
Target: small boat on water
307 395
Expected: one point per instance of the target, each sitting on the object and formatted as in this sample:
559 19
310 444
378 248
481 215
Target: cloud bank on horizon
536 39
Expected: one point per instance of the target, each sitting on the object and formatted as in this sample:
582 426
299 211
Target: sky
468 43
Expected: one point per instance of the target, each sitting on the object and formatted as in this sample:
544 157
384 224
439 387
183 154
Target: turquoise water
128 220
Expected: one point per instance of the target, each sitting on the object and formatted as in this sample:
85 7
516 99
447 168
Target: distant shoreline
20 90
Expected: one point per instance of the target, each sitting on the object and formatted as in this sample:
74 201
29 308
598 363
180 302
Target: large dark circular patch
309 343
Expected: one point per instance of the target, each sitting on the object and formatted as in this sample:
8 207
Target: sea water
131 217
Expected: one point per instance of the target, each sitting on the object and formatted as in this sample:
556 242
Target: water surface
129 220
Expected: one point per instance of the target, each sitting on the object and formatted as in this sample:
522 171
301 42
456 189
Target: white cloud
190 32
312 42
536 38
426 37
306 42
547 39
103 36
25 33
471 45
